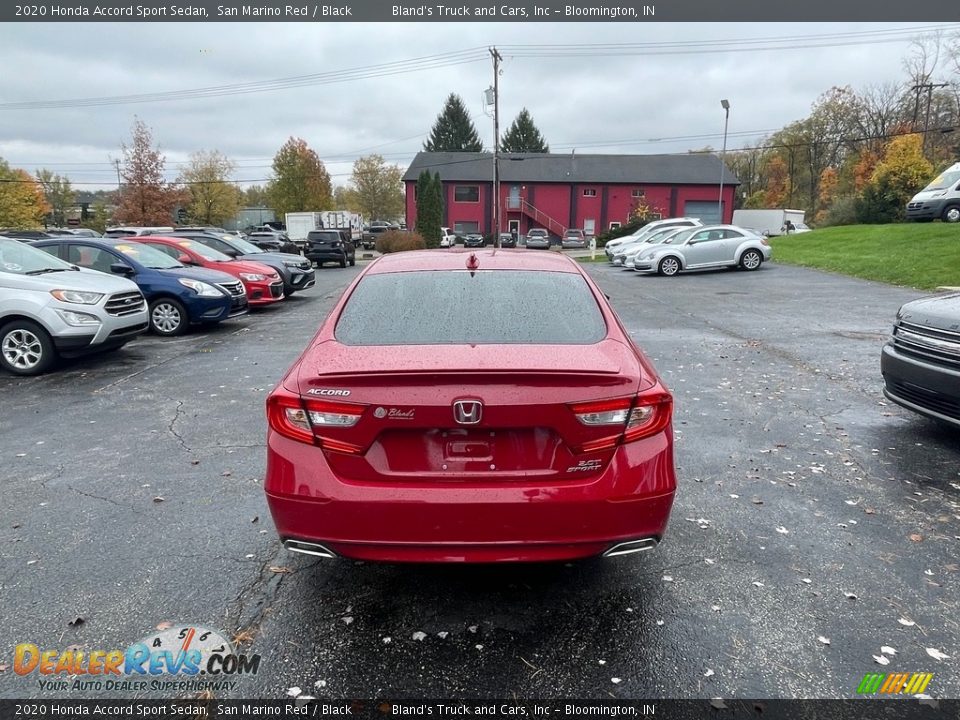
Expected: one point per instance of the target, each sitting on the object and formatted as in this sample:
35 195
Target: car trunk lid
507 414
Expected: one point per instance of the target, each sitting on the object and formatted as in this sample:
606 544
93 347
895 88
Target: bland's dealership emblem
467 412
394 413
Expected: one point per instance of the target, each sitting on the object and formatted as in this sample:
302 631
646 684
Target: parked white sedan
700 248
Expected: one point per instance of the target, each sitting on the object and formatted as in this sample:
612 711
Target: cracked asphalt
815 522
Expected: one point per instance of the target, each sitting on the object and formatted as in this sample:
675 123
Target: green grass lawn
923 255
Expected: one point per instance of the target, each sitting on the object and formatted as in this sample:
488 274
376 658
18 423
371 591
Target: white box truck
770 221
939 199
301 223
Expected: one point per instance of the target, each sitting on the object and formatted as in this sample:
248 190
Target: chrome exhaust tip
309 548
631 546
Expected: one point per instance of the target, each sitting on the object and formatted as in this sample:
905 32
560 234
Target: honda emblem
467 412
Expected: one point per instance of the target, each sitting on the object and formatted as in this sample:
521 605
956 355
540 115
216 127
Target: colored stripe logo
894 683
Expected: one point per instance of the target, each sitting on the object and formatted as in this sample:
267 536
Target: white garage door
707 212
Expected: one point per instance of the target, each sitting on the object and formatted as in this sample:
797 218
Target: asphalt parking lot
815 522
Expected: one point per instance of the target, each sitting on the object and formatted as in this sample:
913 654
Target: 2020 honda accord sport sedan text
420 426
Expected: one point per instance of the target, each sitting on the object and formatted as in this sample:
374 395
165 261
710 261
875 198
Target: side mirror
119 268
231 252
184 259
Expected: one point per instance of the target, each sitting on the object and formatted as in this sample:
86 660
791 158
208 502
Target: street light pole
725 104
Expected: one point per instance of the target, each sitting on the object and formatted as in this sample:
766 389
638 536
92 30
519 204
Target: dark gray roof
694 169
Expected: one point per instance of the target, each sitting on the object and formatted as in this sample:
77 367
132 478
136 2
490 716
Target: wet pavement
815 524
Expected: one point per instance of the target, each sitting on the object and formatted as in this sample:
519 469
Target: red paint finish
383 470
259 292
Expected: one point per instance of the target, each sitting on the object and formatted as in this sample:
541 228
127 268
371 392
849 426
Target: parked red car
262 283
424 424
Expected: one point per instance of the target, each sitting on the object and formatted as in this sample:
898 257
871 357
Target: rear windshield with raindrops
482 308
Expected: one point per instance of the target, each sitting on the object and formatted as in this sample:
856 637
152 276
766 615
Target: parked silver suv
49 309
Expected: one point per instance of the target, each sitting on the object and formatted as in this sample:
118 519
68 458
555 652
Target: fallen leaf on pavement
916 537
887 650
936 654
279 569
881 660
907 623
718 704
824 640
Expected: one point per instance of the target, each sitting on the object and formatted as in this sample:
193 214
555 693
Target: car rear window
460 308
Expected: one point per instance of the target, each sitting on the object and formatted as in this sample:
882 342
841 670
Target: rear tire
343 263
353 260
951 214
751 260
26 348
168 317
668 267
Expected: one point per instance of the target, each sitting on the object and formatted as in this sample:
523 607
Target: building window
589 192
465 228
466 193
638 193
614 226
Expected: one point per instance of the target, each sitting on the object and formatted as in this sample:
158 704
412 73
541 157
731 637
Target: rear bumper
923 387
321 256
452 522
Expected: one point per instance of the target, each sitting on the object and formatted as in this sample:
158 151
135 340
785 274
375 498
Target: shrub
628 229
399 241
843 211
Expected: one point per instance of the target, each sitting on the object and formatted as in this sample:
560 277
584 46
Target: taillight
634 418
303 420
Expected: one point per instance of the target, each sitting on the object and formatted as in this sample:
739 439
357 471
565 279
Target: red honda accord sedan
470 407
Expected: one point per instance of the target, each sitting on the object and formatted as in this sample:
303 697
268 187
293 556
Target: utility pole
116 164
496 146
920 87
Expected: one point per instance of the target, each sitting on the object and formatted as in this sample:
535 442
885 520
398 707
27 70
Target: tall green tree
429 208
58 193
523 136
213 199
146 198
300 181
453 130
377 188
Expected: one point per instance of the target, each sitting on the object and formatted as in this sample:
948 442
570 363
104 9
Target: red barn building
561 191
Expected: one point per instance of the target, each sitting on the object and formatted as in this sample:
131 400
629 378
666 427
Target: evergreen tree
429 208
524 136
454 130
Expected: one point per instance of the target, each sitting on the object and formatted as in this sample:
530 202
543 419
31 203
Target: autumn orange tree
897 177
146 198
300 181
22 202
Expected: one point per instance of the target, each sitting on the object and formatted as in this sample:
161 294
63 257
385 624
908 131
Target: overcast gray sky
577 102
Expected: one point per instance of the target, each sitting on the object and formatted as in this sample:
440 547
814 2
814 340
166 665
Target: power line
428 62
554 156
476 54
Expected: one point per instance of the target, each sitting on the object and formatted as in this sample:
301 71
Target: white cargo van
939 199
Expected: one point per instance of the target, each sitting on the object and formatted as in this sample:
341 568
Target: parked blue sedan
178 296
